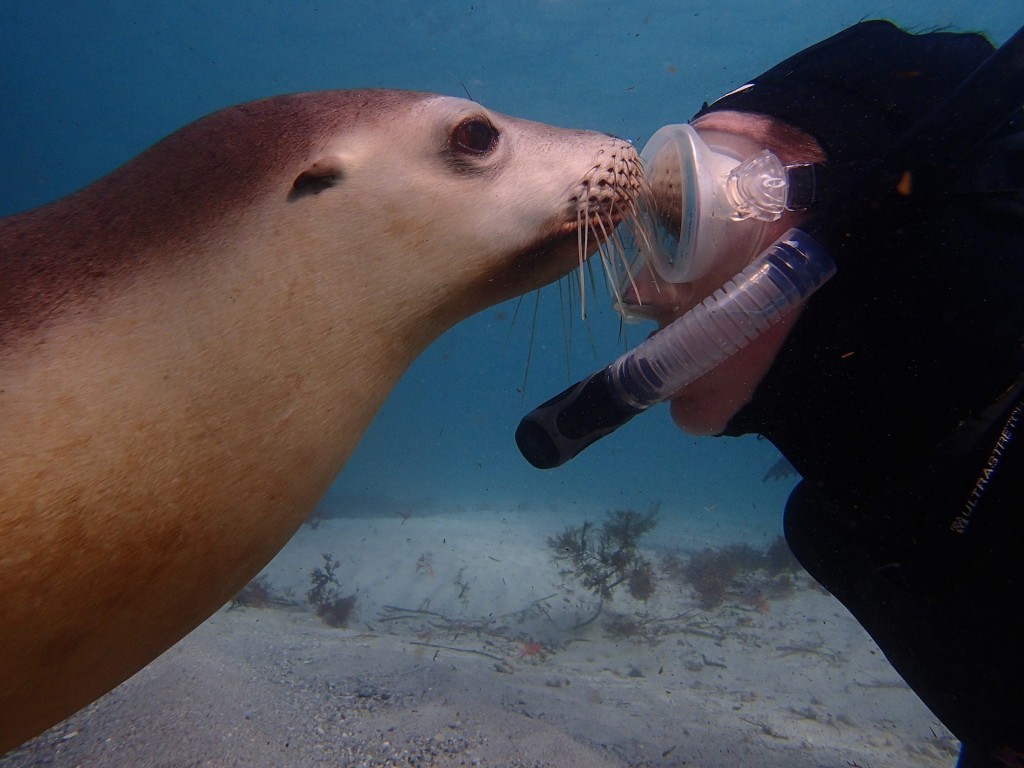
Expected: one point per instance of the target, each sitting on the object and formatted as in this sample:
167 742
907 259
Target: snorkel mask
774 283
706 201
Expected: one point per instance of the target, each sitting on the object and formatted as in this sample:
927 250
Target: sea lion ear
321 174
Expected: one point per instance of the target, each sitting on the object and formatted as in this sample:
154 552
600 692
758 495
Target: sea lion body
191 347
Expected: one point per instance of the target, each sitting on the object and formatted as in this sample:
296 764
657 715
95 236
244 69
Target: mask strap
807 184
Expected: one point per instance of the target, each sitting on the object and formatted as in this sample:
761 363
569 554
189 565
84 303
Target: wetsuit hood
862 89
922 324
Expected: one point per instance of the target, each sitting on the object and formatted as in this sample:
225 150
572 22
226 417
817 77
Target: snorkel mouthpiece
771 287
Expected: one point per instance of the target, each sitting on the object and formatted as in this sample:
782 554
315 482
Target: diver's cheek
706 406
703 412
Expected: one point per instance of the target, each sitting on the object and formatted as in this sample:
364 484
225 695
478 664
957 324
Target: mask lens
702 203
672 200
658 243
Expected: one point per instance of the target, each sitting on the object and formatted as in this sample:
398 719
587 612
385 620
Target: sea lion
191 346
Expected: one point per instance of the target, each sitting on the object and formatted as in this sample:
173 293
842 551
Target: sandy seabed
463 649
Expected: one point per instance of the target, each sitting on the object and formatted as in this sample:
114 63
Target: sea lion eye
474 135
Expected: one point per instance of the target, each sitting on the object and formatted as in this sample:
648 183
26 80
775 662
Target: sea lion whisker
604 231
512 321
529 347
582 215
567 314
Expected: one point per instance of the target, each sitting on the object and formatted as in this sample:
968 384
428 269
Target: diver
837 264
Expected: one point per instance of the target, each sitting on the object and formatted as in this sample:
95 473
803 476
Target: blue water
84 86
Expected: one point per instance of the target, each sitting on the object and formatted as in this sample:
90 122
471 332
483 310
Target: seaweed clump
751 575
260 593
603 558
333 608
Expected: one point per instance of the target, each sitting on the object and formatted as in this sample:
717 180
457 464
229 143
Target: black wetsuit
890 398
898 395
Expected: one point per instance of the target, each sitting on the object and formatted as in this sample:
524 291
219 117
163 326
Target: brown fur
195 180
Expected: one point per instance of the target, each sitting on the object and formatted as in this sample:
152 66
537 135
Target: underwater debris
531 648
493 639
622 626
462 587
259 593
648 628
779 558
750 575
603 559
333 608
709 574
640 584
425 565
317 516
813 648
490 625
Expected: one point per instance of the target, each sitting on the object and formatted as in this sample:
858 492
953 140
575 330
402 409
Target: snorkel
760 296
778 280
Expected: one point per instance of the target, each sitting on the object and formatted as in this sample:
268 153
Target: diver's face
706 405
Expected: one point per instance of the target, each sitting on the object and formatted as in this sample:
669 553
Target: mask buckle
757 188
